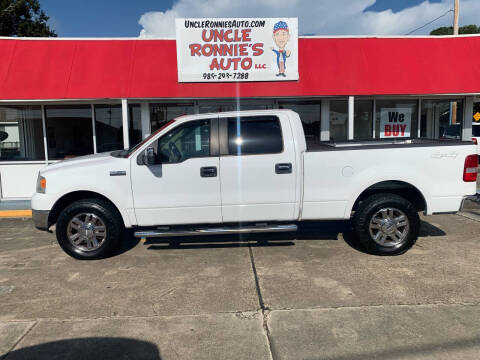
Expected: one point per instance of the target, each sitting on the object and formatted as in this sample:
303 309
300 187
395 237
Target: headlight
41 184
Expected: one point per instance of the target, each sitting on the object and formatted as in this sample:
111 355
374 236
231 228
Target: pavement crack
255 275
5 356
264 310
377 306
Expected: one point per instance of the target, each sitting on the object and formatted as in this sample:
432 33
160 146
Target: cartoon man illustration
281 35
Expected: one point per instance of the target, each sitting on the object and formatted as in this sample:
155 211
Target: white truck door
257 168
183 187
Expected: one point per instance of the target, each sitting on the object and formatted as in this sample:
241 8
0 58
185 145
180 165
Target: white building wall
18 181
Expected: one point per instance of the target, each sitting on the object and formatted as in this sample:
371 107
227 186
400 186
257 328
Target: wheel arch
398 187
71 197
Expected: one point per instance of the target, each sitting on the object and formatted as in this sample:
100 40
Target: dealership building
61 98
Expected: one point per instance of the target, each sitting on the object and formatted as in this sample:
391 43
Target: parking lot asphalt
309 295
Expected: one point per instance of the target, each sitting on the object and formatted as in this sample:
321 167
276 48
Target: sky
155 18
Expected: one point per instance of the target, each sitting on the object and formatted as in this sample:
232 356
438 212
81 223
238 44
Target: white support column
44 126
145 120
467 118
94 130
419 118
351 105
325 120
126 140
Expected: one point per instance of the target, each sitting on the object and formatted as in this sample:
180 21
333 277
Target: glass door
442 119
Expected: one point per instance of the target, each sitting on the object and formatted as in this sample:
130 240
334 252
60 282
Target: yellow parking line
15 213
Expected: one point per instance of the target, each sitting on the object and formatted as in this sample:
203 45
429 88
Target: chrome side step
216 231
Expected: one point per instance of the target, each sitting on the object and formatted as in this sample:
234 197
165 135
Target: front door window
184 142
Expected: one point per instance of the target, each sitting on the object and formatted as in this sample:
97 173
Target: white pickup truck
251 171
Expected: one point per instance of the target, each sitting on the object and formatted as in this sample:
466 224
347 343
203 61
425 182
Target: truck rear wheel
89 229
386 224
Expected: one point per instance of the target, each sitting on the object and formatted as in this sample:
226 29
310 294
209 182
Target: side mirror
149 156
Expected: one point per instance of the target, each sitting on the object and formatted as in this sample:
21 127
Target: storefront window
442 119
108 127
362 121
309 112
396 118
476 112
255 106
134 124
476 120
338 120
207 106
21 133
162 113
69 131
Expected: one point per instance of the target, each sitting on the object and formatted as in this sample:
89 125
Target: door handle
208 171
283 168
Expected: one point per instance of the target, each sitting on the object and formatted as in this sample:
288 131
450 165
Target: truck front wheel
386 224
89 229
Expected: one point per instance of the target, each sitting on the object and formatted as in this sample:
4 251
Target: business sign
395 122
220 50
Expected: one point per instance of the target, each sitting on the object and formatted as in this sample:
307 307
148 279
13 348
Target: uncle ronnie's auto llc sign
219 50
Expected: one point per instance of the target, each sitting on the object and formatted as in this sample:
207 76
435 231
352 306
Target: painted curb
15 213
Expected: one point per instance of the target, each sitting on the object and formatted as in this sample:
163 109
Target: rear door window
252 135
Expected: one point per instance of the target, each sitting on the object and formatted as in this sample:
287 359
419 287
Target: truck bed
316 145
336 173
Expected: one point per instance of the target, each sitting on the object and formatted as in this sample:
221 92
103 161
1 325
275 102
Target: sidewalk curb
15 214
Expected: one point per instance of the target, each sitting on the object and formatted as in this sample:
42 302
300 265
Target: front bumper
40 219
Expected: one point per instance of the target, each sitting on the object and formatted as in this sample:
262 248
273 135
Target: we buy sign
395 122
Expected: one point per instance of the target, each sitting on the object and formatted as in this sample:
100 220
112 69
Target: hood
81 162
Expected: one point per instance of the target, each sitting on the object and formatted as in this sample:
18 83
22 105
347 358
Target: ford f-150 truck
251 171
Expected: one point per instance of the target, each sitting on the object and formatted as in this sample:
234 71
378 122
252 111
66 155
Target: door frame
288 142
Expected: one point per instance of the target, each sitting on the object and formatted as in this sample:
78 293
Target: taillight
470 169
475 141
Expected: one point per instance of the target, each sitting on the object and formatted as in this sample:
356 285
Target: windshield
127 152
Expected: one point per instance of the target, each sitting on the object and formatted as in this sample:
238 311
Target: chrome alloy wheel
86 232
389 227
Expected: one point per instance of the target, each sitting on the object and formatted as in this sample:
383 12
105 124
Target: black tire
109 216
369 207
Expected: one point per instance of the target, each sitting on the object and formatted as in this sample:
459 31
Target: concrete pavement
305 296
